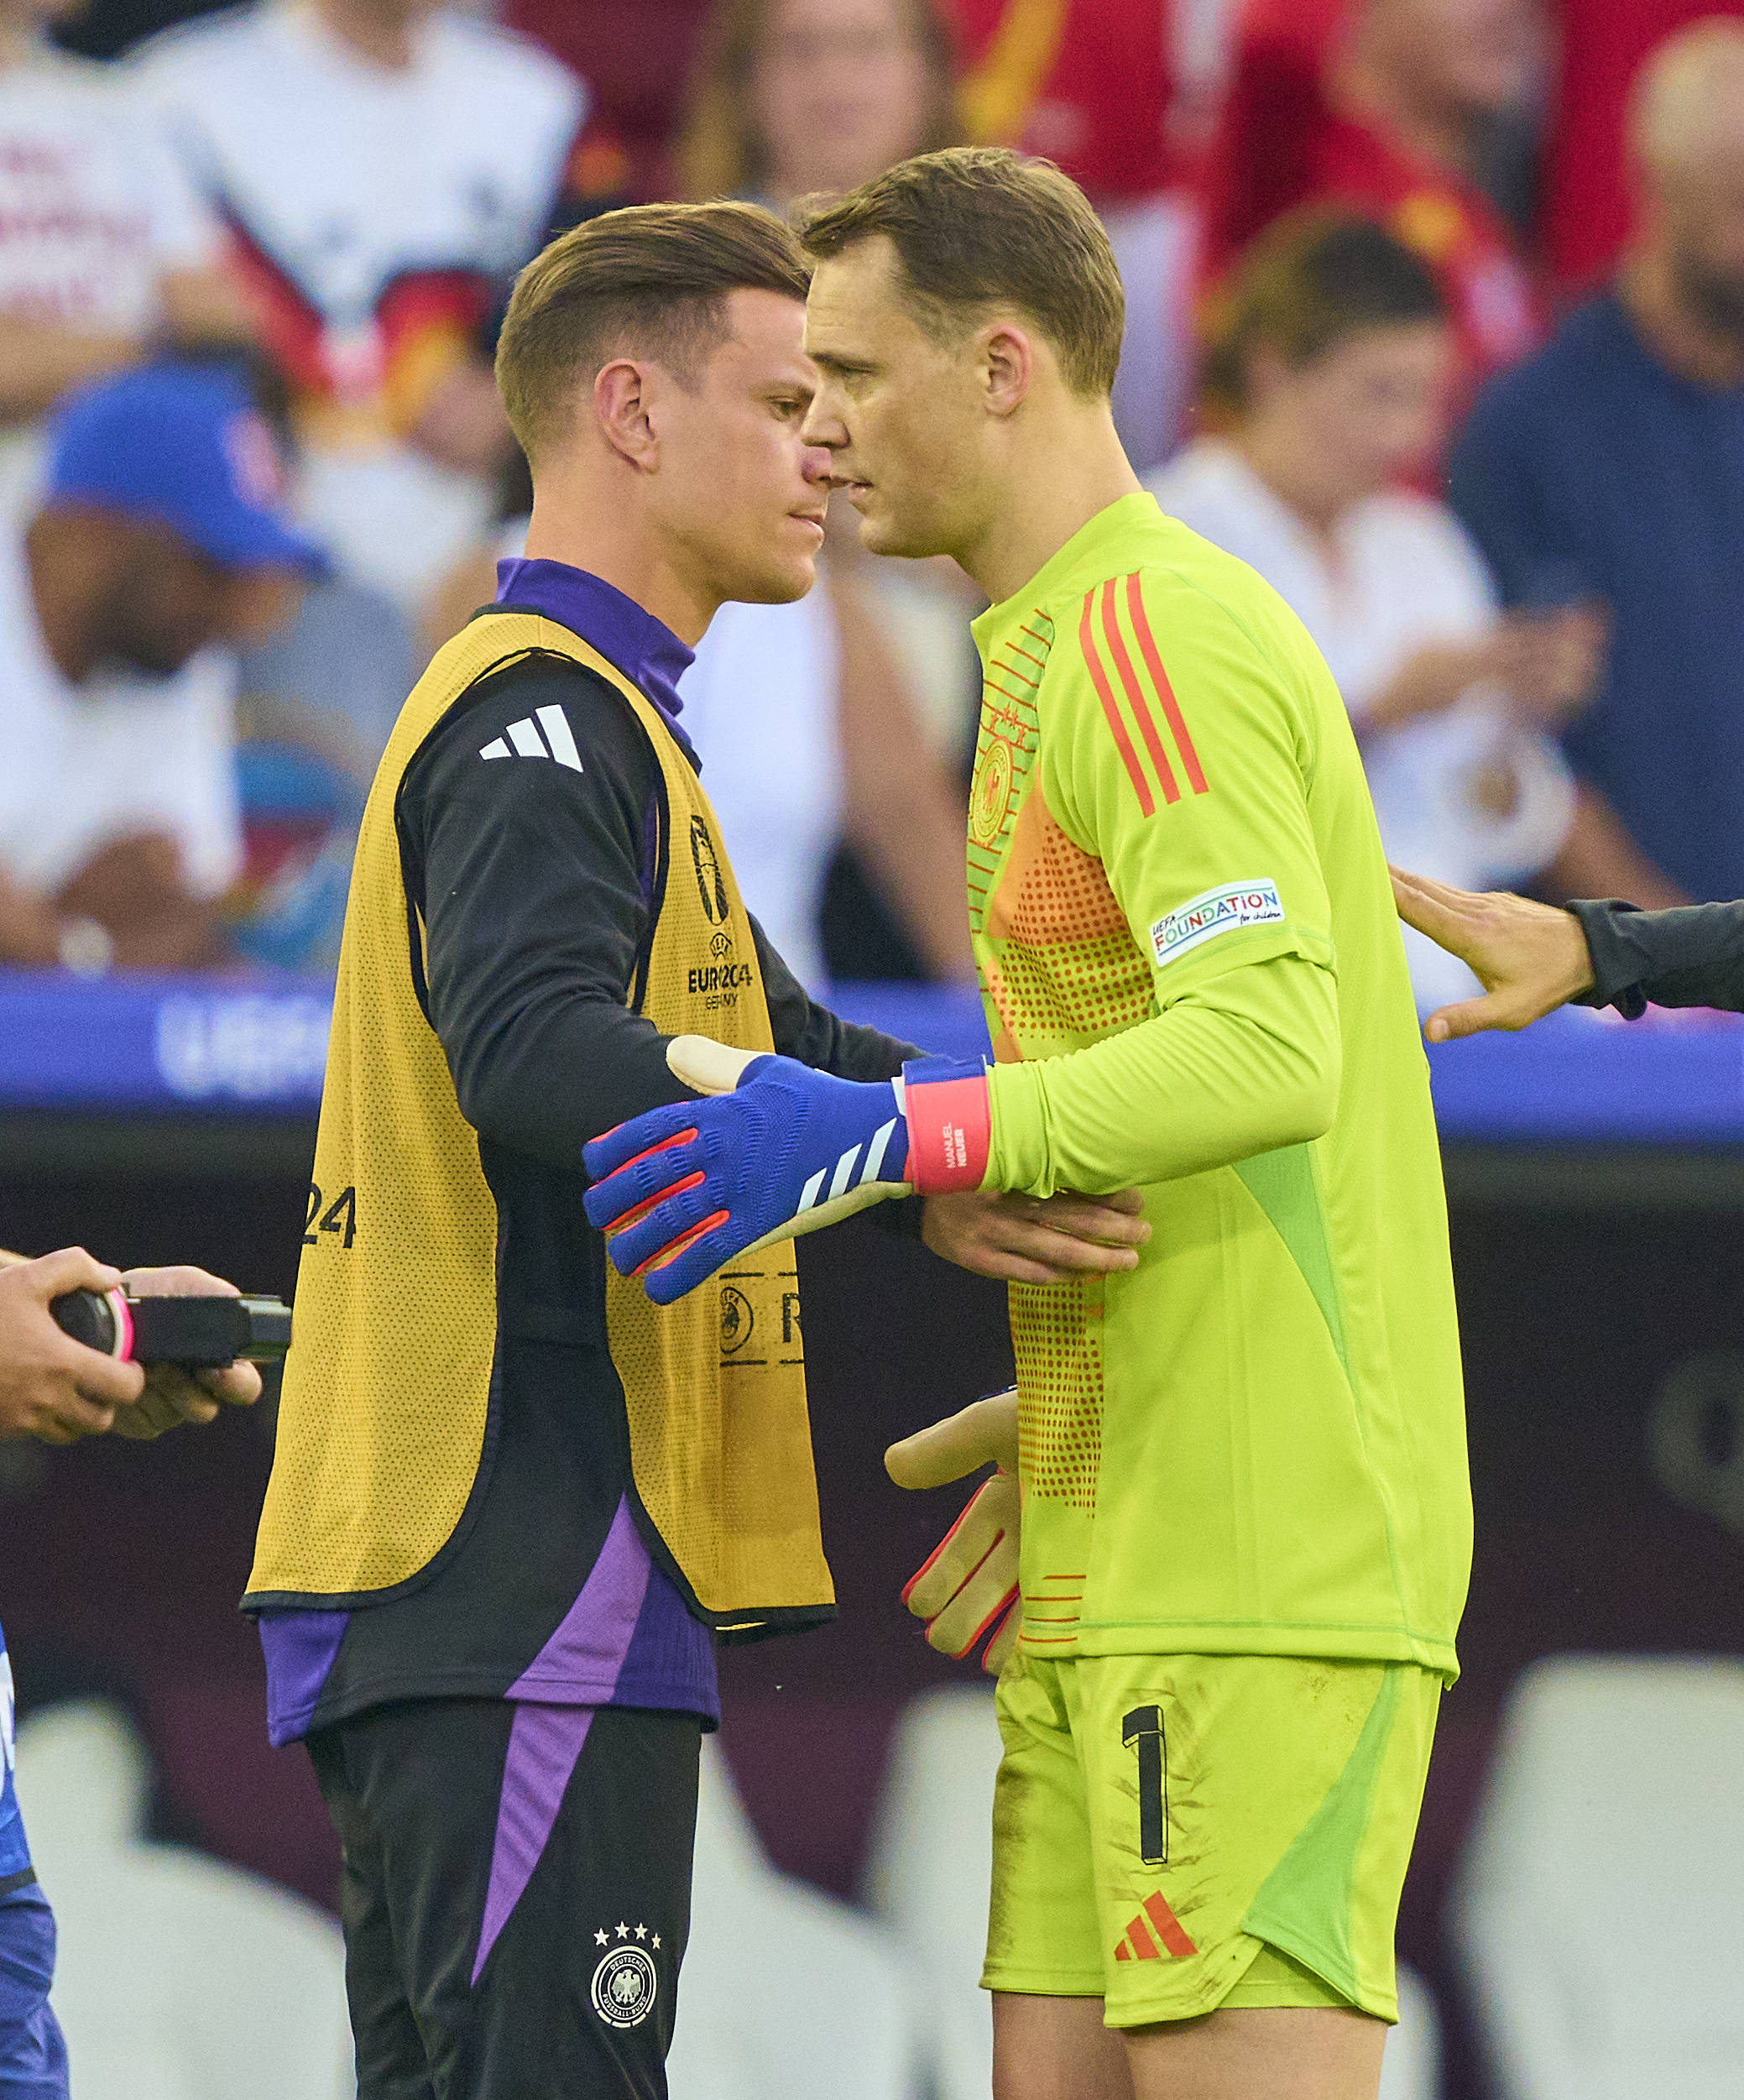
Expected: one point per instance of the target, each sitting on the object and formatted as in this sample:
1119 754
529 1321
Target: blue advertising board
222 1045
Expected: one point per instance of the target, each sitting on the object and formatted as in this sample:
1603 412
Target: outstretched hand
969 1582
1529 958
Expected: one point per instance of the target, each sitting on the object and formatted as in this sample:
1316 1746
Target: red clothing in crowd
1118 91
635 56
1107 88
1281 143
1122 94
1586 211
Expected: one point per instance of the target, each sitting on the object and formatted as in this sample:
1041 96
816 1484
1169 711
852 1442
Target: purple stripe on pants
547 1738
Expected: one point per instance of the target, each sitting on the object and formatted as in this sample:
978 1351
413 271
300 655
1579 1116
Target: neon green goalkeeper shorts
1174 1834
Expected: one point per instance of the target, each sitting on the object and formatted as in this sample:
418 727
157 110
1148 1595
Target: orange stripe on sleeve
1099 678
1136 696
1165 692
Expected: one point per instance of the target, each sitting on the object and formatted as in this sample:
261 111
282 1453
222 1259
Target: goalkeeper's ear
706 1066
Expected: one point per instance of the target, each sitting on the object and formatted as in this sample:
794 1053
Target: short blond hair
976 228
651 281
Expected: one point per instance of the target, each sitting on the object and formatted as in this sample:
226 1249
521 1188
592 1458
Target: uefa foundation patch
1224 910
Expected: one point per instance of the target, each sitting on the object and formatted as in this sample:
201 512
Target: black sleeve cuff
1618 966
1690 956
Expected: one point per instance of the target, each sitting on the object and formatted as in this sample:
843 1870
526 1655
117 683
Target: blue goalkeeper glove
777 1151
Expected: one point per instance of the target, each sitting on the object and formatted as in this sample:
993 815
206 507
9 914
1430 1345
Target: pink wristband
950 1129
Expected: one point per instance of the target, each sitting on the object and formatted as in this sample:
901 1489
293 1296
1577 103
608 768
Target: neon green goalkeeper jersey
1255 1442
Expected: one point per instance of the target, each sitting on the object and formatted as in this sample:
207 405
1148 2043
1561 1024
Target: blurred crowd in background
1435 316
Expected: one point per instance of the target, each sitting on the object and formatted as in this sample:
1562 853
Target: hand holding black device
195 1333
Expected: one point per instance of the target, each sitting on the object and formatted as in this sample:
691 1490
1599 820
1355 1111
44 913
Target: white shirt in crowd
373 210
94 214
1156 243
118 757
760 706
1405 576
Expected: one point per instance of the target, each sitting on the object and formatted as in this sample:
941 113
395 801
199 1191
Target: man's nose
822 426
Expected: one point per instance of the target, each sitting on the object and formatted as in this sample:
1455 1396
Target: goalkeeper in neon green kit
1245 1519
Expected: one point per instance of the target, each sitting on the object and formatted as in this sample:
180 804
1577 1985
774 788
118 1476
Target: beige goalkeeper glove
968 1584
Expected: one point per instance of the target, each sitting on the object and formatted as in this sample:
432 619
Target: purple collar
648 653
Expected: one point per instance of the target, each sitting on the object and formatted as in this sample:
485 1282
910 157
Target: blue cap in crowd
184 444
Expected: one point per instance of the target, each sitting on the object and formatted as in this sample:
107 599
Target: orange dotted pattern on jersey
1061 970
1068 969
1085 989
1056 1332
1060 966
1057 892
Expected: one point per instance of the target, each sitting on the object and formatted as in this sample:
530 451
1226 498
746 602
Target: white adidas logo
814 1196
526 742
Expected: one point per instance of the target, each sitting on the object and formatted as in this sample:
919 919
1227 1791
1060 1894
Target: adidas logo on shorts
1155 1922
522 739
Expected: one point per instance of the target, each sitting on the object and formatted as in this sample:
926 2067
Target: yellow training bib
385 1428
